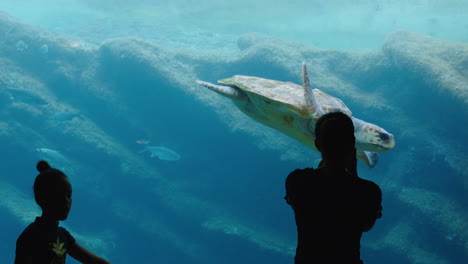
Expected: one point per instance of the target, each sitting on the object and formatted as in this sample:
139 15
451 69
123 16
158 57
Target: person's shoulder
298 176
27 235
295 184
62 229
304 171
30 229
300 173
369 186
368 183
65 235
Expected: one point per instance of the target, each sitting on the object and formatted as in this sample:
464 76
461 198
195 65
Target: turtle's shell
287 96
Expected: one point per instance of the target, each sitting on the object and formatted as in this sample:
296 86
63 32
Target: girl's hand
84 256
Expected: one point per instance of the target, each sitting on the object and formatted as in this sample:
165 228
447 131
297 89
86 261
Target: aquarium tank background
167 171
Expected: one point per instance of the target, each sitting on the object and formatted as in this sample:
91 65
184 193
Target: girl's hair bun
42 166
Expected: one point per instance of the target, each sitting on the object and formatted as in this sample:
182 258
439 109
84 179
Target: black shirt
331 214
45 243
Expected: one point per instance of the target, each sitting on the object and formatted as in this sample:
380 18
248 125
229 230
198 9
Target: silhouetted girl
44 241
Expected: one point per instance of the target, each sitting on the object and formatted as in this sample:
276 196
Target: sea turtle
294 110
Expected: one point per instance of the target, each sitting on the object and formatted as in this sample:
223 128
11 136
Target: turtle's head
370 137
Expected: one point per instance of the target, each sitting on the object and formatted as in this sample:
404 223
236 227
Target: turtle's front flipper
314 108
227 91
368 158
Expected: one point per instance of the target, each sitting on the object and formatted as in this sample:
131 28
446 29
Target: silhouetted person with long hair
44 241
332 205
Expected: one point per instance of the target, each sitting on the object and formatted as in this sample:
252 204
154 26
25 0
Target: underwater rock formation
441 64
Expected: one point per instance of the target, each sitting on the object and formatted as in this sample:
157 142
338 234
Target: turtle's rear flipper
368 158
227 91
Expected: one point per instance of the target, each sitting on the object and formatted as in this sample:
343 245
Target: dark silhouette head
52 191
334 138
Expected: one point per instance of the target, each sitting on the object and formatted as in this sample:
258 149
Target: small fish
143 141
64 116
162 153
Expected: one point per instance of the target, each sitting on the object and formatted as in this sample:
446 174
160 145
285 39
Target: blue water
127 71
